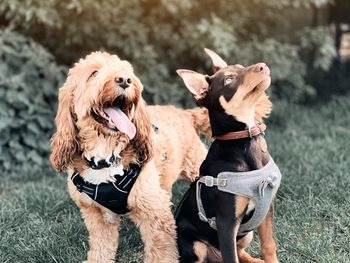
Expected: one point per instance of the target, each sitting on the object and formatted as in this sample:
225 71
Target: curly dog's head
100 99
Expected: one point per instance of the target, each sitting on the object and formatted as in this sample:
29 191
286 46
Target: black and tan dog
238 179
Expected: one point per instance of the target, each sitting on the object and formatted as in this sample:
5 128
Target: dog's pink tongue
121 121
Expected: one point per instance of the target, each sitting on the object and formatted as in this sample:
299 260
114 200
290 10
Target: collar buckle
262 131
250 132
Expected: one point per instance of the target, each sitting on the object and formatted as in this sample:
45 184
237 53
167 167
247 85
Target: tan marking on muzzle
242 104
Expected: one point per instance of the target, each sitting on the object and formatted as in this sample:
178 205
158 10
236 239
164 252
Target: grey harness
258 185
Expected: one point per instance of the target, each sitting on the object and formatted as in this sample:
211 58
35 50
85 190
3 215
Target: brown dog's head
232 92
100 98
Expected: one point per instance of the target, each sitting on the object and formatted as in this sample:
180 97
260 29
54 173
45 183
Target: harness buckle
212 181
209 181
222 182
212 223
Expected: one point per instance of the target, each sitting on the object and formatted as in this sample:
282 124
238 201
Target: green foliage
318 43
29 80
160 36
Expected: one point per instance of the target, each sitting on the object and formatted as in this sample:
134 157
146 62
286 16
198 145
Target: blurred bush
159 36
29 77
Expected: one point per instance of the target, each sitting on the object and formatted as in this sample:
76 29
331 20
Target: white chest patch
103 175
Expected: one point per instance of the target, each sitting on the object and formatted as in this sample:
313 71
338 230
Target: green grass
40 223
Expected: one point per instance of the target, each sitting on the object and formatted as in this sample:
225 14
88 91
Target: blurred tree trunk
339 14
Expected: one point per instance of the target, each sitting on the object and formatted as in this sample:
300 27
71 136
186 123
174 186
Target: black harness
113 196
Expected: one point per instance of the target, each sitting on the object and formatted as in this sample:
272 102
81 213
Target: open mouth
115 116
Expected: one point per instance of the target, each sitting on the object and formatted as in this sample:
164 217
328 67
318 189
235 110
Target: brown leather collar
250 133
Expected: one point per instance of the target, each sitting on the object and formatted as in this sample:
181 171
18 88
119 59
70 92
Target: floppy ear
63 142
196 83
143 140
218 62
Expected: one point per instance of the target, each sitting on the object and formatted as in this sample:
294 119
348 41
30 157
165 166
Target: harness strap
113 196
209 181
201 212
259 185
102 163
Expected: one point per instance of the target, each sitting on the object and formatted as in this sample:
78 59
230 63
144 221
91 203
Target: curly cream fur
167 153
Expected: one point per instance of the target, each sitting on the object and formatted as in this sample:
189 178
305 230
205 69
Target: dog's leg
150 210
242 244
227 230
267 239
201 251
206 253
103 234
227 223
190 251
102 225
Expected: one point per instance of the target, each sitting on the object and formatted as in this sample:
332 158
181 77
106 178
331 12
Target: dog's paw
244 257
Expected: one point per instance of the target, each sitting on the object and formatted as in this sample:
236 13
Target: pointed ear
196 83
218 62
63 143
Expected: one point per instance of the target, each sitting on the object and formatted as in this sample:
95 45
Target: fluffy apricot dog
103 128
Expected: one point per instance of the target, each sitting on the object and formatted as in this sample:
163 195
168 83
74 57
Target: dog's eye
94 74
228 80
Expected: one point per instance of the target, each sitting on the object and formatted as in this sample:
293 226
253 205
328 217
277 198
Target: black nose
262 67
123 81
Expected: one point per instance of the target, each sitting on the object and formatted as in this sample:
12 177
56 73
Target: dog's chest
103 175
